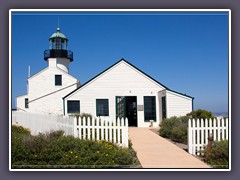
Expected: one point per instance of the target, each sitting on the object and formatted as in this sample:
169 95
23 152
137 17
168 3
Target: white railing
100 129
200 130
91 128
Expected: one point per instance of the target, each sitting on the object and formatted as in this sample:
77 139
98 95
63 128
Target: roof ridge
122 59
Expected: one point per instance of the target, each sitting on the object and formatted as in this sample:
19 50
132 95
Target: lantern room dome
58 34
58 47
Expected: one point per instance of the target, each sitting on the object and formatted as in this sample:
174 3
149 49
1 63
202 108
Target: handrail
60 53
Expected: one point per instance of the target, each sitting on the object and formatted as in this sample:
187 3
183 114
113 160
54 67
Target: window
26 102
149 108
164 110
102 107
58 43
73 107
58 80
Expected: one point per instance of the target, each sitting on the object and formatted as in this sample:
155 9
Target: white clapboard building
122 90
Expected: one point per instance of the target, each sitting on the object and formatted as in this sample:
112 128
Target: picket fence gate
199 130
115 131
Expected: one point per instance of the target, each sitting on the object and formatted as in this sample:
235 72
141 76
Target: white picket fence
94 129
100 129
200 130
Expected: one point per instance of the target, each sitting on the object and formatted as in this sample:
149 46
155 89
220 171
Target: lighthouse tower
47 87
58 53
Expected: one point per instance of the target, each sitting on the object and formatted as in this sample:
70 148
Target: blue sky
185 51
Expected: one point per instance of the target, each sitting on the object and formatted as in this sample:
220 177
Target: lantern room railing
58 53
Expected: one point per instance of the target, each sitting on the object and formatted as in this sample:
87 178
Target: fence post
194 137
125 132
226 128
118 130
223 129
97 129
219 128
114 131
190 136
84 127
110 131
198 136
202 136
75 127
214 129
88 128
93 128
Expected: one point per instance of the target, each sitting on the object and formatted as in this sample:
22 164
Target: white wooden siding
51 104
44 96
120 80
177 105
44 82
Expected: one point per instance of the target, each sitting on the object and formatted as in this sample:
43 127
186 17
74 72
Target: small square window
58 80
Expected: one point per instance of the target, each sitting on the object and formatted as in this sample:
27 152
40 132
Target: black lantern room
58 44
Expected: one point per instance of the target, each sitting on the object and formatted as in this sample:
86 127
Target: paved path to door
154 151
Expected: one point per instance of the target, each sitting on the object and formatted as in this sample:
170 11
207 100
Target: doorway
126 106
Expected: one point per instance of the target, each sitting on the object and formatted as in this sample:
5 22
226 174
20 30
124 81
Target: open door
126 106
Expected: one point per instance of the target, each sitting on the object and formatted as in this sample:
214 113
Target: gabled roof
134 68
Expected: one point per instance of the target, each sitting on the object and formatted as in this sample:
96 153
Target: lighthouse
58 53
47 87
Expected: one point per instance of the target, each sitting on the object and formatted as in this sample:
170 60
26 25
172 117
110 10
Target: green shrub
218 156
179 133
200 114
53 150
86 115
175 128
55 134
19 149
20 130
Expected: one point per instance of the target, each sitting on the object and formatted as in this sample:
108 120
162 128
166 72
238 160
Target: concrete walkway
153 151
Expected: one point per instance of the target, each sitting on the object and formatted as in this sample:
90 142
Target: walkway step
153 151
